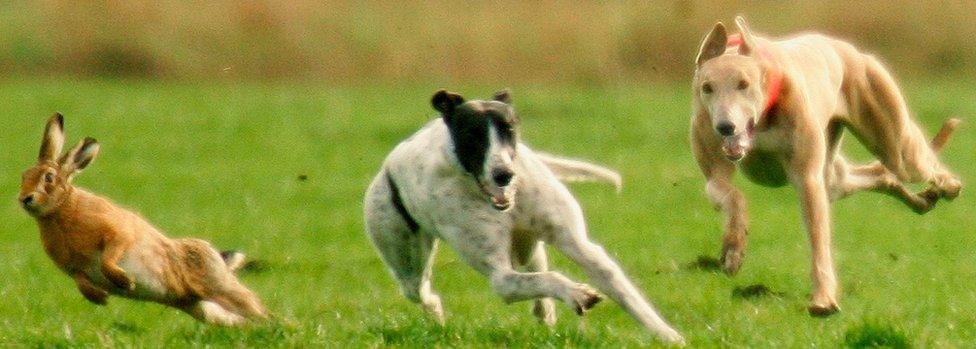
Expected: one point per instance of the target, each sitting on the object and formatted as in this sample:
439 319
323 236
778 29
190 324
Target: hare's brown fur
108 249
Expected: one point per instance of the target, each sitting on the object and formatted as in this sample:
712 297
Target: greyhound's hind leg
532 255
901 144
408 252
845 179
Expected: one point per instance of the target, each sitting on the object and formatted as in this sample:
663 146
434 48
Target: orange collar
774 76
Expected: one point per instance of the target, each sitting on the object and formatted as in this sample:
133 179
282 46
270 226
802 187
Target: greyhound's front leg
609 278
730 200
816 215
726 197
487 250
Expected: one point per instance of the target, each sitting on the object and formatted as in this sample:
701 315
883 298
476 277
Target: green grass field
222 162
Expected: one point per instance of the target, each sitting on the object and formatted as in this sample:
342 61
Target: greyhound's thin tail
941 138
569 170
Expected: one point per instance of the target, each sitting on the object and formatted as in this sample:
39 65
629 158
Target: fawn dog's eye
49 177
743 84
707 88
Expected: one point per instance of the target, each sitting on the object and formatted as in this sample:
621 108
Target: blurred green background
449 42
257 125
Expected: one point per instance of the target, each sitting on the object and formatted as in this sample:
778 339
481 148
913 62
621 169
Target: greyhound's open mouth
736 146
499 197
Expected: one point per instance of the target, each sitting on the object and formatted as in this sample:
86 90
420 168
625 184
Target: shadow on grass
256 266
705 263
755 291
267 334
873 334
427 334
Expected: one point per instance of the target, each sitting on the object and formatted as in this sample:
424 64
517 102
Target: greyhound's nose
27 200
502 177
725 128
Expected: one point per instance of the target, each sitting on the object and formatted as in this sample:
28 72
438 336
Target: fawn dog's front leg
730 200
724 195
88 289
816 216
111 255
807 172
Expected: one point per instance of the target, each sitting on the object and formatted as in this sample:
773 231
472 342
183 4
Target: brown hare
107 249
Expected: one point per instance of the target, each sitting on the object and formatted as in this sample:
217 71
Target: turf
279 171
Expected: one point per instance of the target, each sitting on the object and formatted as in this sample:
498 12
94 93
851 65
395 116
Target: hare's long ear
53 140
80 156
748 39
713 45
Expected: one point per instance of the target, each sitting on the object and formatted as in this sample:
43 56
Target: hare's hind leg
240 299
213 313
213 280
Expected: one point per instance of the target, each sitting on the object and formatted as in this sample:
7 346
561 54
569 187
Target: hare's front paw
117 276
94 294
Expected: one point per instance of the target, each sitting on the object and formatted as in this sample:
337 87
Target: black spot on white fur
398 205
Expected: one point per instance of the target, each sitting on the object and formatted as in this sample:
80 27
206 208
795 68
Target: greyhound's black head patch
471 122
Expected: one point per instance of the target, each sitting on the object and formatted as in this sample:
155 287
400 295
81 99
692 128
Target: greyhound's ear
713 45
504 96
748 40
445 102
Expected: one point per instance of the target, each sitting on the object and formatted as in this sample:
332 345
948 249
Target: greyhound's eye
49 177
707 88
743 84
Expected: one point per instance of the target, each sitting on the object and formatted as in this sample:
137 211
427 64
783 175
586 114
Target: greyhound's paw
823 308
583 298
925 201
672 337
731 259
434 308
545 310
951 189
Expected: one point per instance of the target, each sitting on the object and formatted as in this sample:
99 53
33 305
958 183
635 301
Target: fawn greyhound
107 249
777 109
465 178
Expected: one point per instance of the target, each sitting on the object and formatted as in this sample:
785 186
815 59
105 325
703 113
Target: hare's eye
743 84
49 177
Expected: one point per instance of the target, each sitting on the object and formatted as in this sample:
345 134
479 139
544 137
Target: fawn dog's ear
80 156
504 96
713 45
445 101
748 40
53 140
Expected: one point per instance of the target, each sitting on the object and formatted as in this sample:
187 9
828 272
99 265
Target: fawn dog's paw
823 306
732 258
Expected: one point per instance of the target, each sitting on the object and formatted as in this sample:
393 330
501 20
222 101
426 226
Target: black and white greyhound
466 179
